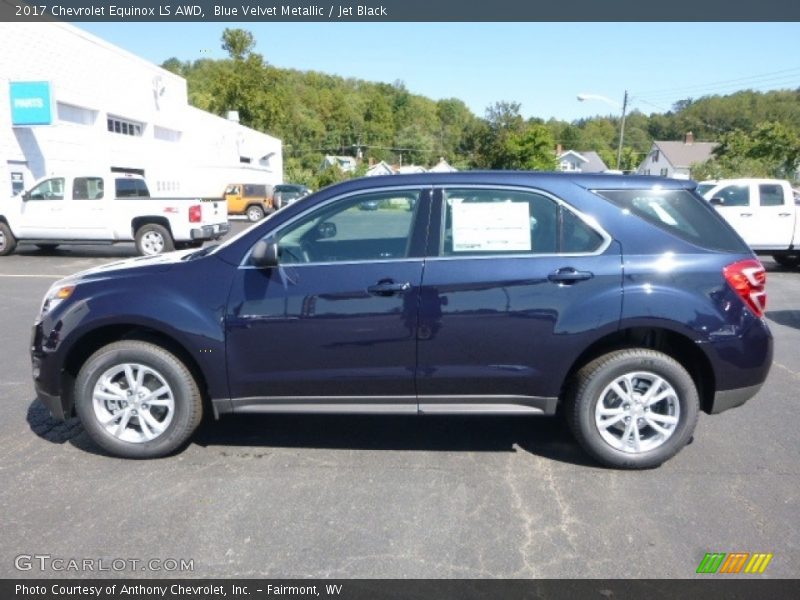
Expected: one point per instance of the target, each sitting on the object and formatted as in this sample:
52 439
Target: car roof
590 181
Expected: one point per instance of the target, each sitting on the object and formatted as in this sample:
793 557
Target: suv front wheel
136 400
633 409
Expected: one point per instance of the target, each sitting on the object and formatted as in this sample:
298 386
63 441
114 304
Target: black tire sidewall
10 240
594 378
258 210
177 376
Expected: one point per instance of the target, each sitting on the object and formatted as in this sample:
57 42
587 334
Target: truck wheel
633 409
255 213
7 240
136 400
790 261
152 239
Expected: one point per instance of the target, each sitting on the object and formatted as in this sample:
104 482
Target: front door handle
569 275
387 287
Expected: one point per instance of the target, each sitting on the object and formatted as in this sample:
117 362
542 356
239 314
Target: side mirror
265 254
25 196
717 201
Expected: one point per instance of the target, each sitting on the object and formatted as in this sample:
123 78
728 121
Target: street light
623 106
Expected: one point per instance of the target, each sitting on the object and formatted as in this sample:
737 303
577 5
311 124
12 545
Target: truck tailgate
214 211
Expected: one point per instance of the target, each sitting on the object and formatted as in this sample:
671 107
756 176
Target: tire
790 261
106 392
153 239
593 398
7 240
47 247
254 213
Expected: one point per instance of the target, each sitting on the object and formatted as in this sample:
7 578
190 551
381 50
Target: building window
655 156
165 134
123 126
663 172
75 114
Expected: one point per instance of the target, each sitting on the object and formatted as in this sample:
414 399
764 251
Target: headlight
55 296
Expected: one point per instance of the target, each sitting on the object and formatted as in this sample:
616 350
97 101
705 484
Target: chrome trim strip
478 409
487 404
329 409
431 404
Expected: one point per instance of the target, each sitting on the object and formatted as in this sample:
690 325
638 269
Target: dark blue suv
625 301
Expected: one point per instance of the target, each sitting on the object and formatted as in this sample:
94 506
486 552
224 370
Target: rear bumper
210 232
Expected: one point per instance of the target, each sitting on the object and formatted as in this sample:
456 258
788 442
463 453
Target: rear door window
131 188
681 213
770 194
501 221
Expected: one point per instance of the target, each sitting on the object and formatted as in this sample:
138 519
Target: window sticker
491 226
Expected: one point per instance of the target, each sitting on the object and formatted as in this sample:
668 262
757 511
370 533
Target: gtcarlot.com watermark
58 564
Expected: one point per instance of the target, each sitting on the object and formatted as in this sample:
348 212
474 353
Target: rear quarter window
682 214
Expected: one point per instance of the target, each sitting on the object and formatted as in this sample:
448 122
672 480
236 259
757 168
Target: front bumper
45 378
210 232
727 399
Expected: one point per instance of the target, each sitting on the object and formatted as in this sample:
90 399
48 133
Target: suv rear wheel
136 400
152 239
633 409
255 213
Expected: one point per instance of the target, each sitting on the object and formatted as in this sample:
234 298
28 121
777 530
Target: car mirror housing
265 254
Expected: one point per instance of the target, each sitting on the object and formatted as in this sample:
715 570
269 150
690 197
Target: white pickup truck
97 209
763 211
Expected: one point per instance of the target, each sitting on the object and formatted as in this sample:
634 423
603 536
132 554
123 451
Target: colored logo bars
735 562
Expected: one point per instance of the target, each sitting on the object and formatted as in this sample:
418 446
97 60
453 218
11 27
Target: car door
86 210
43 210
737 205
516 286
773 216
334 326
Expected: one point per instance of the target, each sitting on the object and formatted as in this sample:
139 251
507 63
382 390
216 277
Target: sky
543 66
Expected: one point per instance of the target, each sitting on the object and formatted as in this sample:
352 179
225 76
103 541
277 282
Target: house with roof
409 169
442 167
580 162
347 164
675 159
380 168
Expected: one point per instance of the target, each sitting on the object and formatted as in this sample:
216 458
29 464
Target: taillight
749 279
195 213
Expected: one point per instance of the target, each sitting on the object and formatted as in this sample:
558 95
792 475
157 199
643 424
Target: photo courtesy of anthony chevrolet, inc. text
450 300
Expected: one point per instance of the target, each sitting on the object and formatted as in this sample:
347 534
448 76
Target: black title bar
399 10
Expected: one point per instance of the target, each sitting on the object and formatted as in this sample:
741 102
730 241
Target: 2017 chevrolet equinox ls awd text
627 301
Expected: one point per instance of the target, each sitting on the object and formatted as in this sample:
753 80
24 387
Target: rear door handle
569 275
388 287
745 214
784 214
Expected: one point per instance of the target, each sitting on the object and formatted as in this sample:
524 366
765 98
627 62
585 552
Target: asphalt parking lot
372 496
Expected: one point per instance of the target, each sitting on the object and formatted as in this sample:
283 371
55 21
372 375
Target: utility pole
622 130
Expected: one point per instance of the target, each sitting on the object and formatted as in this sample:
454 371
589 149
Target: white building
96 107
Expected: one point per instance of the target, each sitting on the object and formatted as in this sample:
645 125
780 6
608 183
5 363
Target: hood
140 265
